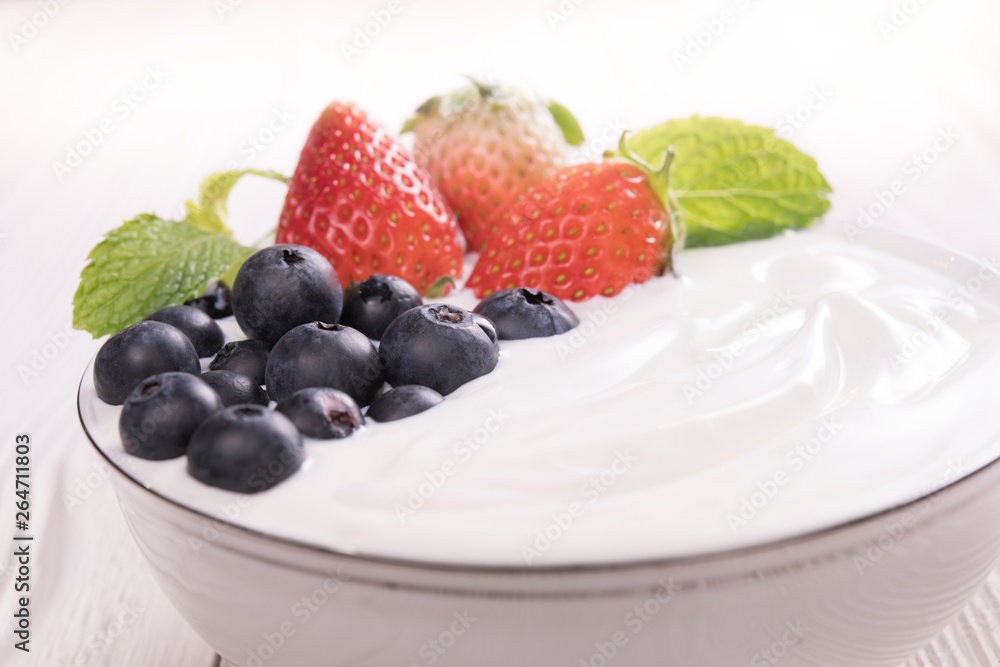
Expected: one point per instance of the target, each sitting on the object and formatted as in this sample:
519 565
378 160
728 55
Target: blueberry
235 388
322 412
403 401
282 286
216 302
371 305
245 448
523 312
324 355
162 412
204 333
248 357
136 352
439 346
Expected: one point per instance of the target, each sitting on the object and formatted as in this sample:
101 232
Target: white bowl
866 593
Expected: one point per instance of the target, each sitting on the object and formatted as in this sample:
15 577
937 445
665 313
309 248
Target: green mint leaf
567 123
210 211
229 277
144 265
149 262
733 182
441 286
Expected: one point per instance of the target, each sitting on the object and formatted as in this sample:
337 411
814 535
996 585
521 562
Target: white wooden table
152 96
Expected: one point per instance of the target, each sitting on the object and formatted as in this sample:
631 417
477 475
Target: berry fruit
439 346
370 306
523 312
359 198
162 412
216 302
245 448
235 388
136 352
248 357
282 286
588 230
485 146
322 412
324 355
205 334
403 401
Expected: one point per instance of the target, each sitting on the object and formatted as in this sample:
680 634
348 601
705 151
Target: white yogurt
775 388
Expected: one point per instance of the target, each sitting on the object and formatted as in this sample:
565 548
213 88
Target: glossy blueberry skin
439 346
136 352
162 412
523 312
248 357
235 388
369 306
205 334
322 412
403 401
245 448
216 302
324 355
282 286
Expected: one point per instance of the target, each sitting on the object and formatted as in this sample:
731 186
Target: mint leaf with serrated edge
144 265
733 182
149 263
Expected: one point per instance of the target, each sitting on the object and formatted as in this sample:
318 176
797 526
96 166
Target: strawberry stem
632 157
485 91
659 177
659 181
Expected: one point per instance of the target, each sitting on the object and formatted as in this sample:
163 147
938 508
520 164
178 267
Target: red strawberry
487 145
358 198
590 229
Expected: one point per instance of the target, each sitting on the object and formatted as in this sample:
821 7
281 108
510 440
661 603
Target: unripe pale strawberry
485 146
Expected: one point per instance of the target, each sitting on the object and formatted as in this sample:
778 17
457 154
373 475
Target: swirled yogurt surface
774 388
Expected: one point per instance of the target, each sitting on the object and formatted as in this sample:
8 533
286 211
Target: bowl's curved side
867 595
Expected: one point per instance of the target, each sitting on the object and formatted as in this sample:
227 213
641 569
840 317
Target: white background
226 67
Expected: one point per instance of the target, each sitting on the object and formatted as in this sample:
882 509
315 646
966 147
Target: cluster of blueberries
310 350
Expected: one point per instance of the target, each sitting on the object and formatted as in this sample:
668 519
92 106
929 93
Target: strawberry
487 145
587 230
358 198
